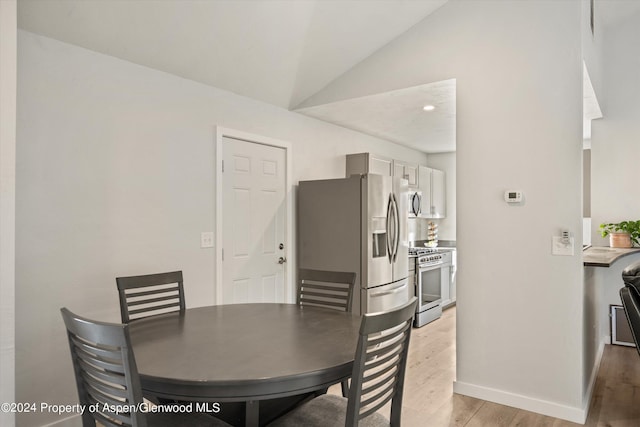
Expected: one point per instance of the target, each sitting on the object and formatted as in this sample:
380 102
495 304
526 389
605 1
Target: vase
620 240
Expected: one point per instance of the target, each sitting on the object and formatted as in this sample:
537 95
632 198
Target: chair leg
345 388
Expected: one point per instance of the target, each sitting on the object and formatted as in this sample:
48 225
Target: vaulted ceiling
277 51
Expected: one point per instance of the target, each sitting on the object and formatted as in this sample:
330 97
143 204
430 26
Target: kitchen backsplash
418 228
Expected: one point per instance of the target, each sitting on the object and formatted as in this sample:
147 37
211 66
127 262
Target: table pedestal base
258 413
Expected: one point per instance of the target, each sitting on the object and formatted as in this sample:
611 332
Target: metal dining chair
330 289
377 377
147 295
630 296
107 378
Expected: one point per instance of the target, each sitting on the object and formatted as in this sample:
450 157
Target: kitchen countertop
450 244
604 256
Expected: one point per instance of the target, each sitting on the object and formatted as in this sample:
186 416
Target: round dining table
256 354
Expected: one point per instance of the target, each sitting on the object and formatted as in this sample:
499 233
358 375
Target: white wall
8 63
115 176
518 70
521 127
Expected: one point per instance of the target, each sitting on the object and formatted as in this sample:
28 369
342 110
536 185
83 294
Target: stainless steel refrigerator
358 224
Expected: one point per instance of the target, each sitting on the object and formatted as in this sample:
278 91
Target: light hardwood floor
429 400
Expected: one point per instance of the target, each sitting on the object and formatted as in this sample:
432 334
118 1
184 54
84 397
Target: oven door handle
436 266
390 291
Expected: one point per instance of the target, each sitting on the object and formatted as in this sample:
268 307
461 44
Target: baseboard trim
594 376
552 409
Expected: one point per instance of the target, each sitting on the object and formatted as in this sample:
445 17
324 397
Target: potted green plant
625 234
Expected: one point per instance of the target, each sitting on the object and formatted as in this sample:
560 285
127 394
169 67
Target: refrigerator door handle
396 233
396 229
388 234
391 291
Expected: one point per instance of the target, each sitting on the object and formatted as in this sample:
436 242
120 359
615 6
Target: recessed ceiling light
428 108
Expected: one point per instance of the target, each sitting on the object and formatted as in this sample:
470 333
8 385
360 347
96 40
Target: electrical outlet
206 239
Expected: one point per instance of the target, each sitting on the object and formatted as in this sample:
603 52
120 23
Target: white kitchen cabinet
438 206
432 186
362 163
408 171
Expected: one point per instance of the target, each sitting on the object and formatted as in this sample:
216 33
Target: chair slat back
380 363
151 294
631 303
330 289
105 371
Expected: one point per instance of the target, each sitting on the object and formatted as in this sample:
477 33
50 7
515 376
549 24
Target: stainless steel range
431 282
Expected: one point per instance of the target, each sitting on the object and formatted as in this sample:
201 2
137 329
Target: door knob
282 260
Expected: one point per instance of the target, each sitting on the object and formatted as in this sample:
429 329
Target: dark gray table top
244 351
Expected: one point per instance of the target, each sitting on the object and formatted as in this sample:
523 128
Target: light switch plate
558 247
206 239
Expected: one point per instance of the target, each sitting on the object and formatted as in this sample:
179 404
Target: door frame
220 133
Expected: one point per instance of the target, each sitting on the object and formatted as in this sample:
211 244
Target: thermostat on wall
513 196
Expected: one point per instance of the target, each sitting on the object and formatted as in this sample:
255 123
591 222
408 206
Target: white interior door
253 222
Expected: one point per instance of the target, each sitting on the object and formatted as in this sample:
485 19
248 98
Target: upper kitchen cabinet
408 171
362 163
432 186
